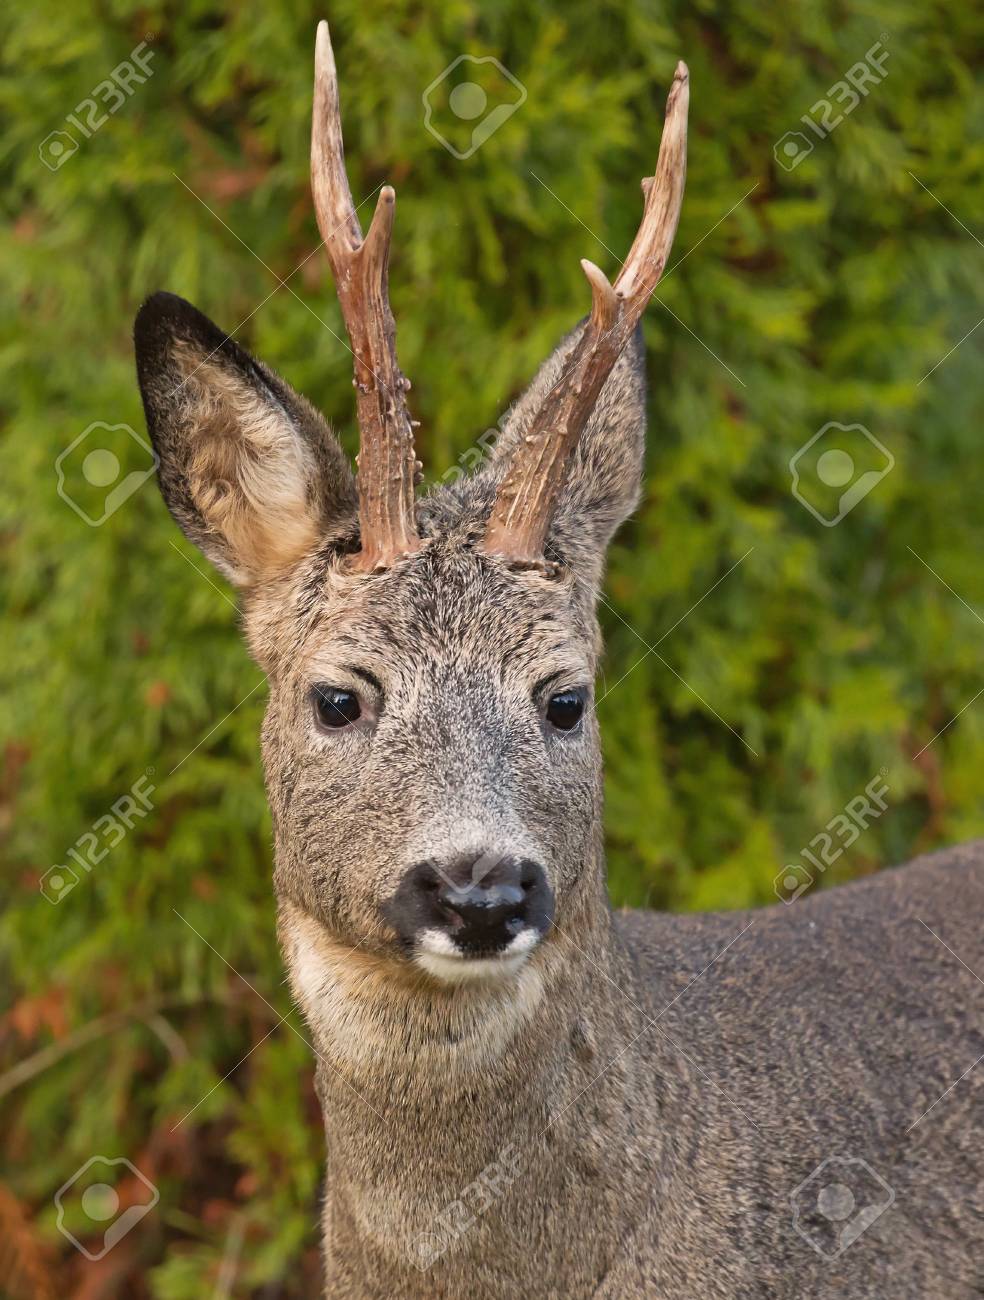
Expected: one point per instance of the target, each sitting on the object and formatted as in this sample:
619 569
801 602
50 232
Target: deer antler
528 493
387 463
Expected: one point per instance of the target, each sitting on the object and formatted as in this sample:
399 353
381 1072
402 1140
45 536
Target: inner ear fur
250 471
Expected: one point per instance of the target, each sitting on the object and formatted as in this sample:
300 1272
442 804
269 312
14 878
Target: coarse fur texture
662 1086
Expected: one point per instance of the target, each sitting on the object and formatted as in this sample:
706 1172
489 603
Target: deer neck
425 1089
373 1025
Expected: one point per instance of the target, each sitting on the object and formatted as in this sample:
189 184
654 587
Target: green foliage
761 668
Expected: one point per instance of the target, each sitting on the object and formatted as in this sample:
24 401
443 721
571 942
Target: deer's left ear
604 478
250 471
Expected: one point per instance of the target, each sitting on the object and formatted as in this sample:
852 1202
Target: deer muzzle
472 917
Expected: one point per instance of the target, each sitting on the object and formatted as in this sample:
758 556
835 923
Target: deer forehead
438 619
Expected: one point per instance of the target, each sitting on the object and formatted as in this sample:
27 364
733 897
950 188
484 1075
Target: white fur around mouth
441 957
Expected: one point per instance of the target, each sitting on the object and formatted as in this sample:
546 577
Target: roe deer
525 1094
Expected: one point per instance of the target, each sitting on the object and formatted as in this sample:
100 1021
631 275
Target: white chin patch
441 957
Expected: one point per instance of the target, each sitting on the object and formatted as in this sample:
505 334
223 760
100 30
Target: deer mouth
437 953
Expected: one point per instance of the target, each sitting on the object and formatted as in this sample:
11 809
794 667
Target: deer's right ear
250 471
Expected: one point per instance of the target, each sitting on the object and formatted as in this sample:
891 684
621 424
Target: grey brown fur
661 1084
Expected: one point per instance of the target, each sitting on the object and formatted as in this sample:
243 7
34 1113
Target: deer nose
471 907
483 911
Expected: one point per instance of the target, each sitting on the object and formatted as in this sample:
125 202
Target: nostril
453 917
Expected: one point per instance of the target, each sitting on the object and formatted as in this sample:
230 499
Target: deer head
430 744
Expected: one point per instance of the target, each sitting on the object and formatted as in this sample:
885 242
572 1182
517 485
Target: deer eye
564 710
335 707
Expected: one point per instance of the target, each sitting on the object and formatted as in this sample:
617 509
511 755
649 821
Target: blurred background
779 639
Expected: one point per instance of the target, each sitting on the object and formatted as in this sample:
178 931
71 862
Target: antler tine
604 300
387 464
529 490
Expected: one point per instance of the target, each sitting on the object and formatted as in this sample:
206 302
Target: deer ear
604 477
250 471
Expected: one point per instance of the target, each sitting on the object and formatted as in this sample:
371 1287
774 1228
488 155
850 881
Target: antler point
525 501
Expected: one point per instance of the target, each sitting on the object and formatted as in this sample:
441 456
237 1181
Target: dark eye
335 707
564 710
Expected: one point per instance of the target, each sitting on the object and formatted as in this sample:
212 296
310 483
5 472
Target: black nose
481 903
